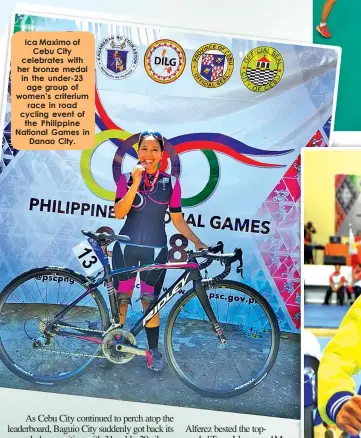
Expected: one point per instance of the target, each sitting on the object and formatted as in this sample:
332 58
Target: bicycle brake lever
239 254
240 270
215 249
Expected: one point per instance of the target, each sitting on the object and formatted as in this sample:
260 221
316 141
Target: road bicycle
48 337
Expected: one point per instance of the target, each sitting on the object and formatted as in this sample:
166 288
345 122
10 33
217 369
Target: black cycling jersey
145 222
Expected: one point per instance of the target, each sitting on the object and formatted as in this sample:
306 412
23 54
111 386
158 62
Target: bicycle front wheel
201 361
27 307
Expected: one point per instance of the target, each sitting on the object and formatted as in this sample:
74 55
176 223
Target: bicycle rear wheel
28 304
201 361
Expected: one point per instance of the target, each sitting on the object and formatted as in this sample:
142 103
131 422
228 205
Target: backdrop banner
234 113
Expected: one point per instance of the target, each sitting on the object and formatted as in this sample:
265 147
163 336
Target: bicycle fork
204 300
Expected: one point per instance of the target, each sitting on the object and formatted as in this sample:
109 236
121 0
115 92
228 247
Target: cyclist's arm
175 210
124 197
183 228
340 361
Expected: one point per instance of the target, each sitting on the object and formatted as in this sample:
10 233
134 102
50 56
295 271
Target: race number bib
87 257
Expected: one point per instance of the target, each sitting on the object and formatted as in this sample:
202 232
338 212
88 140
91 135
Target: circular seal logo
262 69
117 57
212 65
164 61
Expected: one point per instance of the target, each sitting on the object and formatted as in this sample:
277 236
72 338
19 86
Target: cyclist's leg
151 283
124 256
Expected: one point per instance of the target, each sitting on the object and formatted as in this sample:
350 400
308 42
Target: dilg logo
164 61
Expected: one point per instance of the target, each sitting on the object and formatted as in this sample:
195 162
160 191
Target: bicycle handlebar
107 236
210 254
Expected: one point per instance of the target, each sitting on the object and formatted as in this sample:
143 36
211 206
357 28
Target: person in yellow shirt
339 401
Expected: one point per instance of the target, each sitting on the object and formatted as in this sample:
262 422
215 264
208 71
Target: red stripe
86 338
187 146
196 145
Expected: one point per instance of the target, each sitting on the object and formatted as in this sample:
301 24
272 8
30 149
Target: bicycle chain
75 354
72 354
80 328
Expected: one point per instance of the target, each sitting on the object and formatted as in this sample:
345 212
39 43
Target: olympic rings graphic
207 143
129 146
85 163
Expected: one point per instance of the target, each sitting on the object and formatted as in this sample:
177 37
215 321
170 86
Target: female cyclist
143 196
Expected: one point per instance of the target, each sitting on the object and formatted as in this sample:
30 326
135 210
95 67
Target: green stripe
211 184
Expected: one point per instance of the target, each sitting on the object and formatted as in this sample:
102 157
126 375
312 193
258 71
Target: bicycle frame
191 273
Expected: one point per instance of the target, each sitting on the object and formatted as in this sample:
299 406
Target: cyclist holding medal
143 196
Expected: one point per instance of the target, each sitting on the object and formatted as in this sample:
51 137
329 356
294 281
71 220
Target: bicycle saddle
106 237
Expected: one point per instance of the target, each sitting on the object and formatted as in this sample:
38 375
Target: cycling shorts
132 255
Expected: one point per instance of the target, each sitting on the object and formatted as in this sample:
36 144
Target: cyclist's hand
200 245
137 174
349 416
